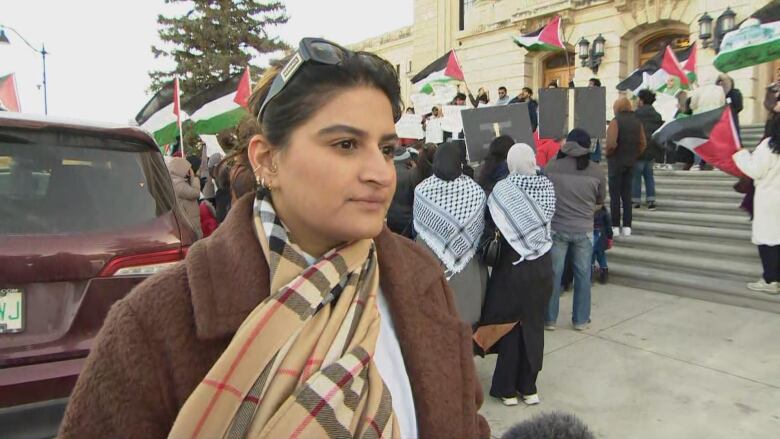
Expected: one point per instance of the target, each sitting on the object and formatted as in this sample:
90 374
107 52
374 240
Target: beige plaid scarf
299 366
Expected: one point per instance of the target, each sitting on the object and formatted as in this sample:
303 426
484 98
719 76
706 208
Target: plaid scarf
301 364
522 207
450 217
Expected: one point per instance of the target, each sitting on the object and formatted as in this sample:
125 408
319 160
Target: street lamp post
42 51
712 37
591 56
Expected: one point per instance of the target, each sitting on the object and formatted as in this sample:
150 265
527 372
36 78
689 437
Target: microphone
550 425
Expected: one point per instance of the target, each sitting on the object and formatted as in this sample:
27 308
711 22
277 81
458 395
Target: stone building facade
480 31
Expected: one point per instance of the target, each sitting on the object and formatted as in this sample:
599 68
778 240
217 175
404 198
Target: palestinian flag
443 71
546 38
712 135
158 117
9 98
220 107
653 74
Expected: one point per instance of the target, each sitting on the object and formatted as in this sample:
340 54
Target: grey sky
100 49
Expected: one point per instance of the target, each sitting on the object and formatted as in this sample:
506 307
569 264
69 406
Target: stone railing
389 37
534 8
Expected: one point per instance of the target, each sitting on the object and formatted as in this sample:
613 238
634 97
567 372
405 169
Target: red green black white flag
712 135
546 38
444 70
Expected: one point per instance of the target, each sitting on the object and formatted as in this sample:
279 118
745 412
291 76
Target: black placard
553 113
480 125
590 110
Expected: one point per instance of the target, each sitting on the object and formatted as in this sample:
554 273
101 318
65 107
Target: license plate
11 310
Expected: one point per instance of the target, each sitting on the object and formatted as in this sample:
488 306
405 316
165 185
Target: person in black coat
410 171
643 167
733 98
527 95
625 143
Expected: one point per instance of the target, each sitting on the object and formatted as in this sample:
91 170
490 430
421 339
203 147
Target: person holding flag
763 166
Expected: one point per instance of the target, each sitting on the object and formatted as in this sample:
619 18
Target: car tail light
145 264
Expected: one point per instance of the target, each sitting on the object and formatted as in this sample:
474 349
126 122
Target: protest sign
410 127
482 125
433 131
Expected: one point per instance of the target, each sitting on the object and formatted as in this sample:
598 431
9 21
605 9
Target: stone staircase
696 244
751 135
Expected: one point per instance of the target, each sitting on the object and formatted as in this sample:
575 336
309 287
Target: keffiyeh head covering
522 207
449 215
521 159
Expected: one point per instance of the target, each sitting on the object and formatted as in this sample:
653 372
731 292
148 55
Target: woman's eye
346 145
388 150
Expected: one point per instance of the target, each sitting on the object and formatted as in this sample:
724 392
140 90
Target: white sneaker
626 231
764 287
509 402
616 231
531 399
695 168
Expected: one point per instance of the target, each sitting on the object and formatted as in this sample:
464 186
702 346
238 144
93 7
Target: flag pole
177 110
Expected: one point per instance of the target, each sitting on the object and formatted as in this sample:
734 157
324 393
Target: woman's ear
260 154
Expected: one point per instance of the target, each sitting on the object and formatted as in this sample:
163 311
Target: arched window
649 47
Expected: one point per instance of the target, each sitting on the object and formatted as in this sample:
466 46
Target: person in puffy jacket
186 186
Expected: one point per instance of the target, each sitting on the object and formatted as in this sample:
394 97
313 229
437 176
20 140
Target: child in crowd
602 241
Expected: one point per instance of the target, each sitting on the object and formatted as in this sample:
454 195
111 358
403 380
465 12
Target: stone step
693 183
696 206
698 194
707 288
745 252
689 232
675 262
680 174
734 221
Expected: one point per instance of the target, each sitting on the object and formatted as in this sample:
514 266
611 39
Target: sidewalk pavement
654 366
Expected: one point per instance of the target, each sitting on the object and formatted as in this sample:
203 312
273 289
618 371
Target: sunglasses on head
309 50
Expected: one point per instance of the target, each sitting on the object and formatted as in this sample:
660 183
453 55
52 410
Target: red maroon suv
86 213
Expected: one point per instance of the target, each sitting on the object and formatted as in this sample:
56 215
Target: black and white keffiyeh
522 207
449 217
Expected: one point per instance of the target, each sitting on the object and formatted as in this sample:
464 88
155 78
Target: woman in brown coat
302 315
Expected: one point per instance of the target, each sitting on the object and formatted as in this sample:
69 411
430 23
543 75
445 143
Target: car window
54 189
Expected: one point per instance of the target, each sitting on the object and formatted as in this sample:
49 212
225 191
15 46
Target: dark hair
528 89
502 88
460 96
447 162
483 98
772 130
552 425
553 83
313 85
646 96
238 181
596 82
499 148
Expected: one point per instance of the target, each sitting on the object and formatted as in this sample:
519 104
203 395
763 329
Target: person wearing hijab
625 144
520 209
449 220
